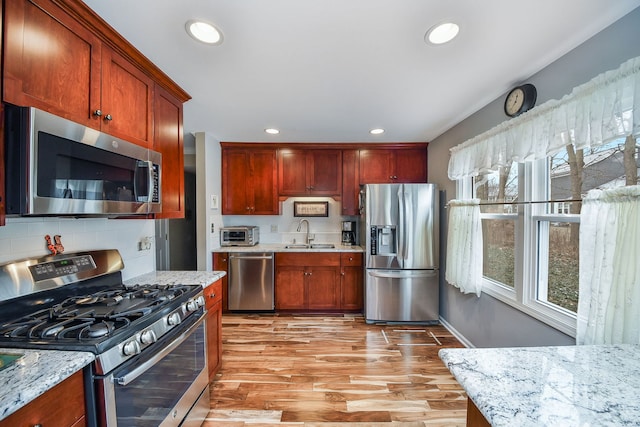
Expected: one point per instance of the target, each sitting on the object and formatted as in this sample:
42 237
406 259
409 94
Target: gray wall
485 321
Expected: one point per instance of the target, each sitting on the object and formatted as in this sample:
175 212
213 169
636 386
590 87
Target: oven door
167 387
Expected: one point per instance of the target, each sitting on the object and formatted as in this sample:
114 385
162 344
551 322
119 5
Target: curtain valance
605 108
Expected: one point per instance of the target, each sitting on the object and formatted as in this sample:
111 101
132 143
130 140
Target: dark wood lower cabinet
62 406
221 263
318 281
474 416
213 304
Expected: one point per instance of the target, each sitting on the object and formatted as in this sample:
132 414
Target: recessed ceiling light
272 131
442 33
203 32
376 131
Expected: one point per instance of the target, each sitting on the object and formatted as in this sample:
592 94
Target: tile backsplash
23 237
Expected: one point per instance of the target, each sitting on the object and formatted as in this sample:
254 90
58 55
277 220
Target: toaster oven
240 235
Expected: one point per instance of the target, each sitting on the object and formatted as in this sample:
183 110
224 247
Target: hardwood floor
285 370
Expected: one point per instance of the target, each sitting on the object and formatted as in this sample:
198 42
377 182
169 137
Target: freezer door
401 296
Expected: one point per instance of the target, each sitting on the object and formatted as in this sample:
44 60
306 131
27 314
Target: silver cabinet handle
97 113
108 117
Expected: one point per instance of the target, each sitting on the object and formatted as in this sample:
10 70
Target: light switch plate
214 201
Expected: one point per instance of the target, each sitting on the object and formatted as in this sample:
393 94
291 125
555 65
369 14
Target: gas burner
100 329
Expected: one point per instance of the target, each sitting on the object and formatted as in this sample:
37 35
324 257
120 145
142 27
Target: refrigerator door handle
402 224
401 274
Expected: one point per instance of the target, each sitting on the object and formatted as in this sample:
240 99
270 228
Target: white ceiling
330 70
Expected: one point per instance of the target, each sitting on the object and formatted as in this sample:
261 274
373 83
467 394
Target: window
531 225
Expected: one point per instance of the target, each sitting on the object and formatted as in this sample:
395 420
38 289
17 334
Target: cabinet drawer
351 259
305 259
213 293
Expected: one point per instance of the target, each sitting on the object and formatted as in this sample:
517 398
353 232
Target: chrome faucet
306 240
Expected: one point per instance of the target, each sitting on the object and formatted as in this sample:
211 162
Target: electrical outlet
144 244
274 228
213 228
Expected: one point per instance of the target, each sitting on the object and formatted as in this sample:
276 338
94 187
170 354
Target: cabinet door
263 183
290 288
410 165
351 281
221 263
350 182
167 140
127 99
376 166
50 61
235 173
292 172
324 172
213 298
323 288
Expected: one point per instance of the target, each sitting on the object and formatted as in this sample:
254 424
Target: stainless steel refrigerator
400 222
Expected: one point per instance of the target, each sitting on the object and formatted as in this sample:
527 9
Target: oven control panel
62 267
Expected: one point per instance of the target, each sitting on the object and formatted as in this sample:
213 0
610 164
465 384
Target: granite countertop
35 373
203 278
280 247
594 385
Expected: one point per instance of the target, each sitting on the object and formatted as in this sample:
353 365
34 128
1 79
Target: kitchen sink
312 246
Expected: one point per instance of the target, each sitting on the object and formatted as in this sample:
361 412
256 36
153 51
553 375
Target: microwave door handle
148 165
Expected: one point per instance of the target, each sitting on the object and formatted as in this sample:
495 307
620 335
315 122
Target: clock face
514 101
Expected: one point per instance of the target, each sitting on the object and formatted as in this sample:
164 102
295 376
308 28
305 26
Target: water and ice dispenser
384 240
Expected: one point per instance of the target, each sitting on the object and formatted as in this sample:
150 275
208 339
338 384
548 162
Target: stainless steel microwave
58 167
241 235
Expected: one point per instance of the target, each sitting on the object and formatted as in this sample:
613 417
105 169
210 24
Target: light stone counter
203 278
280 247
593 385
35 373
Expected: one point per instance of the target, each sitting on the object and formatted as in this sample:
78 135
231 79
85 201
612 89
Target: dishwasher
251 281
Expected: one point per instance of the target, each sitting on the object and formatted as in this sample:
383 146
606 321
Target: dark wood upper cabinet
168 140
315 169
249 181
51 61
60 57
127 100
309 172
350 182
402 165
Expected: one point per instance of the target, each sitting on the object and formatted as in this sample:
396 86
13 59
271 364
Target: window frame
533 179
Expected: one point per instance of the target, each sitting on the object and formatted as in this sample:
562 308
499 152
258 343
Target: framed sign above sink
311 209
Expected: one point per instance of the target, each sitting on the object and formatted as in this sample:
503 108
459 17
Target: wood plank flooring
286 370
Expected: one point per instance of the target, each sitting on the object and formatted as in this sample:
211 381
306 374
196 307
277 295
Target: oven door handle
131 376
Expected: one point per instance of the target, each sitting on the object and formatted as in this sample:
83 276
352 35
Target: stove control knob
148 337
174 319
200 300
131 348
192 305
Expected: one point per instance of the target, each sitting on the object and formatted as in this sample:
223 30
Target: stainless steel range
149 341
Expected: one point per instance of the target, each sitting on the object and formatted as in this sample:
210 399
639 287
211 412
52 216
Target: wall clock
520 99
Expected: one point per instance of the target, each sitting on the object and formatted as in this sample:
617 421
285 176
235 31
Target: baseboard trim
456 334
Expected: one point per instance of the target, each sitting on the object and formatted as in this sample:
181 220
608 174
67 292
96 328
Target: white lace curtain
464 243
603 109
609 295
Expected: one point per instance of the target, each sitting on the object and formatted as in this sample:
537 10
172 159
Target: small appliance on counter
348 233
240 235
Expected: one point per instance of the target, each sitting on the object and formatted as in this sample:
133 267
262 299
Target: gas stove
78 302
